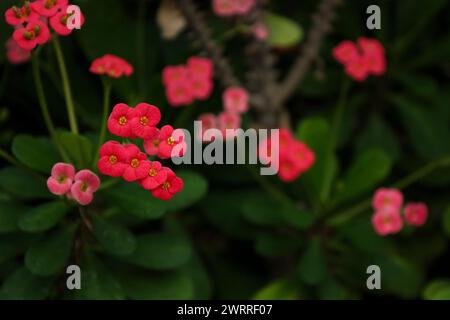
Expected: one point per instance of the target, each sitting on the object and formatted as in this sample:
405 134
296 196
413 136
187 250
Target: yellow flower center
134 163
113 159
143 120
152 172
49 4
170 141
165 186
84 186
62 179
122 120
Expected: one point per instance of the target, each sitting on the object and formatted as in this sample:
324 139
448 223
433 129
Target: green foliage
283 32
43 217
78 148
35 153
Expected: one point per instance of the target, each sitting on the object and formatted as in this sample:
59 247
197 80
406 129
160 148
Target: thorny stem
106 101
44 106
321 26
346 215
66 85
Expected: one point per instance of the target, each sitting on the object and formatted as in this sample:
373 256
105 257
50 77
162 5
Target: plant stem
339 114
106 101
44 106
66 85
346 215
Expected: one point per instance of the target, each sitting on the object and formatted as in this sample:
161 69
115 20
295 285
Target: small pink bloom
288 170
387 221
36 32
174 74
208 121
16 16
416 213
201 88
260 31
59 23
371 47
200 67
155 177
61 179
387 198
228 121
357 69
235 99
169 138
137 165
345 52
302 155
243 6
151 145
179 94
224 8
15 54
112 159
119 121
169 187
145 117
112 66
86 183
48 8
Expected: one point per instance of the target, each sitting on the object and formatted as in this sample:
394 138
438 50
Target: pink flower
303 156
208 121
385 198
59 23
15 54
228 123
416 213
173 74
48 8
156 176
119 121
111 66
288 170
137 165
17 16
151 145
145 117
260 31
179 94
357 69
243 6
200 67
112 159
387 221
36 32
346 52
169 139
61 179
169 187
224 8
235 100
86 183
201 88
373 53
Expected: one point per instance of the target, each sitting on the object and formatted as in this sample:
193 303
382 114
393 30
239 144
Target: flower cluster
112 66
32 20
226 8
295 157
79 186
127 160
387 204
185 83
361 59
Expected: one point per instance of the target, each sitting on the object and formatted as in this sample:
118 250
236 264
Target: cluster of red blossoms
185 83
387 219
232 7
362 58
32 19
295 157
127 160
112 66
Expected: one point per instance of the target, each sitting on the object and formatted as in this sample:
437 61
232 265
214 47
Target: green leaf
194 189
315 132
22 184
133 199
78 147
283 32
43 217
11 245
281 289
49 254
23 285
160 251
35 153
312 265
446 221
368 169
9 215
438 289
275 245
114 238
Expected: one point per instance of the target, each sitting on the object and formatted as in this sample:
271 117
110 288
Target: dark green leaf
9 215
194 188
12 245
22 184
35 153
312 265
282 289
78 147
23 285
43 217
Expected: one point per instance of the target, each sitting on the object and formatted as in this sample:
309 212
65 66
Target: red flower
169 187
303 156
61 178
416 213
48 8
345 52
155 177
208 121
390 198
15 54
85 184
119 121
112 159
36 32
173 74
387 221
17 16
137 165
228 123
357 69
169 138
235 99
111 66
151 146
373 53
145 117
59 23
179 94
201 87
200 67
